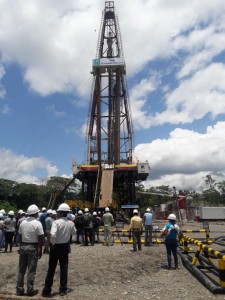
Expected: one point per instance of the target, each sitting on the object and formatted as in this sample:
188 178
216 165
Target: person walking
171 231
61 230
136 226
30 238
10 227
107 220
147 220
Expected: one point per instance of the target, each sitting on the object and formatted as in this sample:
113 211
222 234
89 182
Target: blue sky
175 55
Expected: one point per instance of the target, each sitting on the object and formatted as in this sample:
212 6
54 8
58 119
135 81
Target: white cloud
186 157
196 97
2 89
20 168
192 100
55 112
5 110
55 43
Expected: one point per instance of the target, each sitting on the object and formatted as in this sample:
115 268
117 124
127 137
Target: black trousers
88 233
59 253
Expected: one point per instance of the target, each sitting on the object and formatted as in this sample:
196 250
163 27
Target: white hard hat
20 211
148 209
86 210
11 213
32 209
49 211
172 217
3 211
80 212
43 209
1 215
106 209
63 207
94 213
54 212
135 211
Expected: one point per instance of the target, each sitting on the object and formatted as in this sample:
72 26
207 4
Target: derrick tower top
109 127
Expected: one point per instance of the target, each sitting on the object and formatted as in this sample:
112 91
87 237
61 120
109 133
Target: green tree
211 195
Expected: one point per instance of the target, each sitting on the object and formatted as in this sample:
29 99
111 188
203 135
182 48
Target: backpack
96 222
79 222
86 220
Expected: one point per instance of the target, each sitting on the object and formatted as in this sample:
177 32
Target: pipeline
220 240
200 276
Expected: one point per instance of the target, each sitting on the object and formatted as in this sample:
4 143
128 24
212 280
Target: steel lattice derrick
110 128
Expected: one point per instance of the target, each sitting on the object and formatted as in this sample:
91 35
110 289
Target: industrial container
212 213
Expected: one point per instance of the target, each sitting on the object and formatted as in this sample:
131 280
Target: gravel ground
114 272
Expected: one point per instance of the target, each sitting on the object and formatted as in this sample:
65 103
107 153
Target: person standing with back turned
170 231
136 225
107 220
61 231
30 238
147 219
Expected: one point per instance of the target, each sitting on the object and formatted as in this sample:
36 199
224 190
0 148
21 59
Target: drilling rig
110 171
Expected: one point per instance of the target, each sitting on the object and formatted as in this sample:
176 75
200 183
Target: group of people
9 226
171 232
53 230
137 224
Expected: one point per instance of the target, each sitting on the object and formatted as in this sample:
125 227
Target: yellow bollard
207 237
221 264
186 248
196 255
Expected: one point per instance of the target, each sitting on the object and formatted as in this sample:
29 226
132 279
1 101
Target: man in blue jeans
170 232
30 238
147 220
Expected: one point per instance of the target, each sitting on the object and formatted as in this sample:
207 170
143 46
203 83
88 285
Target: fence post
221 264
186 248
196 255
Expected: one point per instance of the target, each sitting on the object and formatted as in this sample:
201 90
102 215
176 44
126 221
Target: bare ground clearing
114 273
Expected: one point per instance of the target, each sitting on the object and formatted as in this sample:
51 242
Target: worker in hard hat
136 225
2 231
147 220
31 240
20 220
61 230
108 221
88 228
16 235
79 227
96 220
48 225
171 231
10 227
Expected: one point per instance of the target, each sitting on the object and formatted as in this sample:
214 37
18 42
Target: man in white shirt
31 236
10 223
61 231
